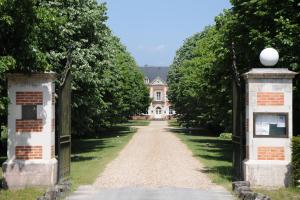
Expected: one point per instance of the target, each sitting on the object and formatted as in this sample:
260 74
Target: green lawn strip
173 123
281 194
26 194
136 123
214 153
91 155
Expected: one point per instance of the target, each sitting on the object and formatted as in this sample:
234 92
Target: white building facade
156 80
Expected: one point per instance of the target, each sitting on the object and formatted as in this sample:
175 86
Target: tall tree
36 36
196 89
252 26
259 24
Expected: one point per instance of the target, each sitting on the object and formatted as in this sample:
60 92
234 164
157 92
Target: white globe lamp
269 57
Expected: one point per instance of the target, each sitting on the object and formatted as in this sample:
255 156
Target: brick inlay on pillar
270 153
29 125
29 98
270 98
29 152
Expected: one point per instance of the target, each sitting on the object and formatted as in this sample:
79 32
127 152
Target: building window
158 96
158 111
29 112
170 111
146 80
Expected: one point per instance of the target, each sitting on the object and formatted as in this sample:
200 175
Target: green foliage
226 136
22 194
296 159
173 123
259 24
3 141
200 77
196 86
136 123
4 132
35 35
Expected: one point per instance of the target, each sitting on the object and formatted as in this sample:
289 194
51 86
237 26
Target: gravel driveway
154 162
154 158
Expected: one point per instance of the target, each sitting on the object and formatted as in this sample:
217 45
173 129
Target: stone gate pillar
268 126
31 131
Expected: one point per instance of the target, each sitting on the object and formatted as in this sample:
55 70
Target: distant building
156 80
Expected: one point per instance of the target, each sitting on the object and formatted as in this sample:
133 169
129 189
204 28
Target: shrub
4 132
296 159
3 140
226 136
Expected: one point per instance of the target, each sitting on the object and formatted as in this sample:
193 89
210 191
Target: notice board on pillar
270 125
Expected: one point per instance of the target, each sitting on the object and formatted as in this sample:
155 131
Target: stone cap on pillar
269 73
20 77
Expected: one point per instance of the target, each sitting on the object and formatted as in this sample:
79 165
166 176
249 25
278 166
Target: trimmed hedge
296 159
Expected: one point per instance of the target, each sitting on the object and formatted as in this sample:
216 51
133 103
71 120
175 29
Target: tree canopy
200 77
36 35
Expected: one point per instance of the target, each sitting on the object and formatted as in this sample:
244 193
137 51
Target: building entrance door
158 113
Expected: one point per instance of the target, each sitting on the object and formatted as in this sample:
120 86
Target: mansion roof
152 73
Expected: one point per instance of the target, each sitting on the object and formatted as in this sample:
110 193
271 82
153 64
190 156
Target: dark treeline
200 77
36 35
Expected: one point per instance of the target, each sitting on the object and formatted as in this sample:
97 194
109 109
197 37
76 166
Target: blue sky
152 30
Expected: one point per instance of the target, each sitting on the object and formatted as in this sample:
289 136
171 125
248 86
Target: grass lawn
26 194
216 155
89 157
173 123
281 194
136 123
